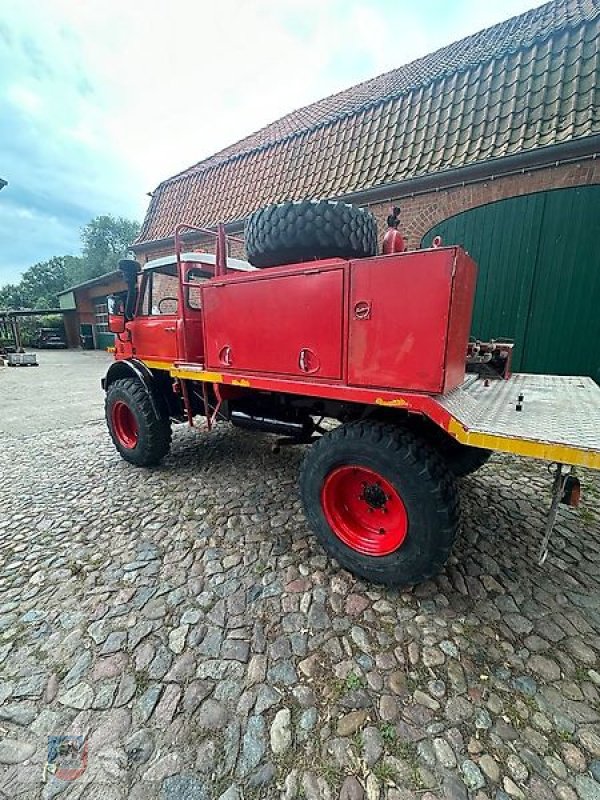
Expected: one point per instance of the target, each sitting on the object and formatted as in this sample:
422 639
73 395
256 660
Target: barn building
490 142
85 311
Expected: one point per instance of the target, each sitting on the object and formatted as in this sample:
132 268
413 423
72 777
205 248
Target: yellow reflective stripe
197 375
157 364
564 454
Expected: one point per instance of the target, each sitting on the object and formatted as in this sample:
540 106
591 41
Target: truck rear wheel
139 435
463 459
301 231
381 502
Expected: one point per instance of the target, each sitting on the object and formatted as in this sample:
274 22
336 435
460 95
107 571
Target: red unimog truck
316 327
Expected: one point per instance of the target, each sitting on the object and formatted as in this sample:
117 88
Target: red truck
365 358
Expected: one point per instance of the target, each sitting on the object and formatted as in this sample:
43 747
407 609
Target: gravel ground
184 621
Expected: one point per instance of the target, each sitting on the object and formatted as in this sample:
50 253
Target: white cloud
116 96
24 99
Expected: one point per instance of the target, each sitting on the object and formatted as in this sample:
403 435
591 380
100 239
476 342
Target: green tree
75 270
41 283
105 240
11 296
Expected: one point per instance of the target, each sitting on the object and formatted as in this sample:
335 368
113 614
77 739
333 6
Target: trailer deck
559 419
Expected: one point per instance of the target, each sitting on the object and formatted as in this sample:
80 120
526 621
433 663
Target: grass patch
354 681
385 773
564 736
261 568
515 719
405 750
388 733
530 702
332 773
142 682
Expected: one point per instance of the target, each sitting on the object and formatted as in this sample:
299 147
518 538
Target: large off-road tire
310 229
381 502
463 459
140 436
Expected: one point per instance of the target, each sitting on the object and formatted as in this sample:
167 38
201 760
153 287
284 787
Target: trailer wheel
381 502
301 231
139 435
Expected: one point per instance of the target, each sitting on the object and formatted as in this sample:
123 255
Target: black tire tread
291 232
156 443
414 453
469 460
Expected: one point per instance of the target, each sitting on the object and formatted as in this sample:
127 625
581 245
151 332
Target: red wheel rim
124 425
364 510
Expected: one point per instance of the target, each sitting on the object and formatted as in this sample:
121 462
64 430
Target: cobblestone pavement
185 621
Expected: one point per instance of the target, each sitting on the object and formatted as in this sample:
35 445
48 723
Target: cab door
154 329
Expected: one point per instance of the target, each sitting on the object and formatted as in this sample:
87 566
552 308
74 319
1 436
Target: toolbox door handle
225 355
362 310
308 361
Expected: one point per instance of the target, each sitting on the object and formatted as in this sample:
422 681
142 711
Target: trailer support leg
558 489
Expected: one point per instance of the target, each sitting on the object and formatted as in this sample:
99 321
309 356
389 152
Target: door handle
170 329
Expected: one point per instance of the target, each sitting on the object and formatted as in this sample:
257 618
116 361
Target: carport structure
9 321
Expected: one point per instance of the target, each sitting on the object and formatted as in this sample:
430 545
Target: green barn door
539 276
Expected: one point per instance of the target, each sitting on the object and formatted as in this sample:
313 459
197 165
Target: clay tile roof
525 83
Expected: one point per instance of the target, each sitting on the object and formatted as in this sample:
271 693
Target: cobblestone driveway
184 620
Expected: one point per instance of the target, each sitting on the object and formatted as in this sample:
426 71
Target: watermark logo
67 756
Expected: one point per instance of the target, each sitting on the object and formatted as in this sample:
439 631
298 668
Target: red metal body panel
459 324
416 402
402 308
397 323
154 337
287 322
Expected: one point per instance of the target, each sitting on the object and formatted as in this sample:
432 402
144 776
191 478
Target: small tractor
365 358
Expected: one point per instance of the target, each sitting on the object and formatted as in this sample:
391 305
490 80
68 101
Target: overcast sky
100 100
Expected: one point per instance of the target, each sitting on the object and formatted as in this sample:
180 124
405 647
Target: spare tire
291 232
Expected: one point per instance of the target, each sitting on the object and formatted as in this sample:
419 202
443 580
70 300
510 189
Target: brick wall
421 212
204 245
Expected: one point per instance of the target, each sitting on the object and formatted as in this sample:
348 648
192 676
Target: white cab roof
201 258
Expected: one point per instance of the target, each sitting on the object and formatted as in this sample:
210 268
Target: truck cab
155 330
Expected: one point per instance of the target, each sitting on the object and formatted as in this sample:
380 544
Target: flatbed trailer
378 343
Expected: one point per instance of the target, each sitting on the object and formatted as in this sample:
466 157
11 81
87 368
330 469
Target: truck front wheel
381 502
140 436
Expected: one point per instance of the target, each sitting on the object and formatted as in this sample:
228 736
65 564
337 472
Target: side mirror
116 314
130 269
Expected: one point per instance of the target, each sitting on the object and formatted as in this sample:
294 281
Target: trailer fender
132 368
